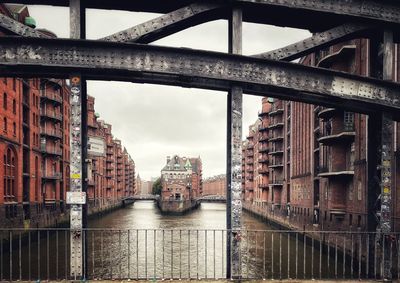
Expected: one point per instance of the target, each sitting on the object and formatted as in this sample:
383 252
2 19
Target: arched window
9 176
5 101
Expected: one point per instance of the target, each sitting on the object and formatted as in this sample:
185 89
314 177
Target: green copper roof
29 21
270 100
97 115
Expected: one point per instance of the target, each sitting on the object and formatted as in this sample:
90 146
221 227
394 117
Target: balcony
326 113
263 186
275 138
331 173
264 171
51 133
263 128
341 136
52 176
48 114
262 114
109 176
51 151
110 168
263 160
263 138
50 96
276 111
277 151
276 125
276 182
345 53
277 164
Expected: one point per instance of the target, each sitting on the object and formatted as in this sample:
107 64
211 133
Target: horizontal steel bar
125 230
316 42
193 68
168 24
380 11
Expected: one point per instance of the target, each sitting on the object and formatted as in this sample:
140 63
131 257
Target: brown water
140 242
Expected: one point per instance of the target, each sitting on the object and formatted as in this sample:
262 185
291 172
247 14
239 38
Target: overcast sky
154 121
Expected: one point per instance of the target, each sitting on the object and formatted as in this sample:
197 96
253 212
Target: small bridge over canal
212 198
132 199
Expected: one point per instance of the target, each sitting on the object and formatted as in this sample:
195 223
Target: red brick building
215 186
112 174
318 157
181 179
34 147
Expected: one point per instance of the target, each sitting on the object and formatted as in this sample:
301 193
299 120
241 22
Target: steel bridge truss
121 57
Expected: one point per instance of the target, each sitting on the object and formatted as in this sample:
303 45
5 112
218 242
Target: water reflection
140 242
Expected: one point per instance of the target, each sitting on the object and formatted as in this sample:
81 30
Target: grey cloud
155 121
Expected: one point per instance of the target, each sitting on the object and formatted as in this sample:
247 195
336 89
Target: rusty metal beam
168 24
13 27
337 10
193 68
316 42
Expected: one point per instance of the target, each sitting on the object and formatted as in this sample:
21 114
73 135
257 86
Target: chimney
168 159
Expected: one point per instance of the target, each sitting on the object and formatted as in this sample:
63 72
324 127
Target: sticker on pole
76 197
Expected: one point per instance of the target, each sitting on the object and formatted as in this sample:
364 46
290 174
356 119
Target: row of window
5 103
9 166
14 83
5 126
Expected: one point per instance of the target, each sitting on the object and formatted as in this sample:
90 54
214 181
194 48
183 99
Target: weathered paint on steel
316 42
166 24
379 11
77 31
386 161
185 67
76 177
16 28
234 173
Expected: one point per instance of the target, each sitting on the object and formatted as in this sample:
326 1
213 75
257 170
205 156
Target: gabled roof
176 163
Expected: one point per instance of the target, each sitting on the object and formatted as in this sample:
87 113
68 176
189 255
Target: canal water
140 242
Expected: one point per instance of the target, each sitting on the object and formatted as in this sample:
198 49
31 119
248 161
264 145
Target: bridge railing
44 254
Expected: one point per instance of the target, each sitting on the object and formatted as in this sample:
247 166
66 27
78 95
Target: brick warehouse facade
182 184
215 186
34 146
317 156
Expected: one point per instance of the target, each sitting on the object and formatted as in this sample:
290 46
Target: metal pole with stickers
76 196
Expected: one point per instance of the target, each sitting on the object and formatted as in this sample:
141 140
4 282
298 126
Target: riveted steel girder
317 41
11 26
168 24
300 13
193 68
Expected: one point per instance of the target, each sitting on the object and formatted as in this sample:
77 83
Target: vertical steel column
78 155
234 156
386 159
